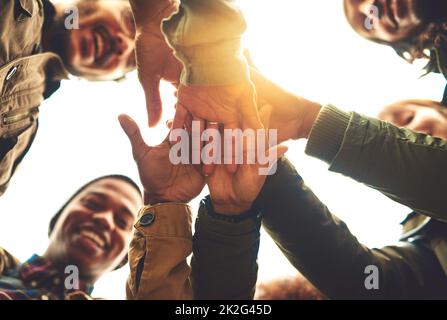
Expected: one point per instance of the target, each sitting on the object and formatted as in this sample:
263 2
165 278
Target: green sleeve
206 37
408 167
324 250
224 263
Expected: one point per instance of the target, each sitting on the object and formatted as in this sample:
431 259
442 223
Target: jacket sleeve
407 167
323 249
206 37
224 262
158 252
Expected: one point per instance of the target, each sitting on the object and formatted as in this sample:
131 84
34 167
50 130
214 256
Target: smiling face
94 230
103 47
386 21
422 116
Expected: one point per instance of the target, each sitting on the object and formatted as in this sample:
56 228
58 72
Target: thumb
274 154
153 100
133 132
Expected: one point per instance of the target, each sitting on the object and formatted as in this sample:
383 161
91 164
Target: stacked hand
162 181
231 193
233 188
155 59
234 194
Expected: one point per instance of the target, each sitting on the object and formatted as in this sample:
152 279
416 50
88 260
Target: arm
206 37
224 263
398 162
323 249
226 241
162 240
158 252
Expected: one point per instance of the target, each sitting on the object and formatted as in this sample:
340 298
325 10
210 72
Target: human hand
292 116
162 181
233 194
231 107
155 59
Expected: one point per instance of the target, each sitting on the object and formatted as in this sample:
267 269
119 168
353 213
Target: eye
91 204
123 223
407 119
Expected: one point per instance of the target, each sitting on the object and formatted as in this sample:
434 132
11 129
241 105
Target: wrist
233 218
153 199
228 209
309 116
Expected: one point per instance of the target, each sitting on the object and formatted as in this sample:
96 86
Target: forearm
403 165
206 37
158 252
224 262
323 249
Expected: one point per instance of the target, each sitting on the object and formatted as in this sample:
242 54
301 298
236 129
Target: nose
124 44
104 219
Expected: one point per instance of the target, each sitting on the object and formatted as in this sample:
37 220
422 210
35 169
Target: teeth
94 237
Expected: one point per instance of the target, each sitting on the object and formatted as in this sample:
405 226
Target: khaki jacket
27 77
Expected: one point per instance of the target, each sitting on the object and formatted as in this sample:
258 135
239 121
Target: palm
155 59
162 181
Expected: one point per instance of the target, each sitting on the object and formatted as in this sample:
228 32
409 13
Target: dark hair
54 219
433 39
431 36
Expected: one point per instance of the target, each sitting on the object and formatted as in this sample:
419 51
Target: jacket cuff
327 134
220 64
216 223
167 219
206 37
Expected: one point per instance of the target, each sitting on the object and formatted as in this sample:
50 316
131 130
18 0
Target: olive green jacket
27 77
323 249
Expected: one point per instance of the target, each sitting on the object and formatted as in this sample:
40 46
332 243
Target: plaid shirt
36 279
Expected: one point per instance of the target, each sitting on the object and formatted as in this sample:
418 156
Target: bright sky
306 46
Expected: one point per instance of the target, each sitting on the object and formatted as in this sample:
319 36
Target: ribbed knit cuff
327 134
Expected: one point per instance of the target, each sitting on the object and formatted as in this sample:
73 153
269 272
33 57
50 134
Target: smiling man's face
94 230
103 47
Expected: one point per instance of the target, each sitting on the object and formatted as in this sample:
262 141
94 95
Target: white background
306 46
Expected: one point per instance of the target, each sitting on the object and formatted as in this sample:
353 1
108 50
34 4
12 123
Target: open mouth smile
104 46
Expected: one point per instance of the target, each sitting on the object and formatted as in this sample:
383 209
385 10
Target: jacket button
147 219
11 73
